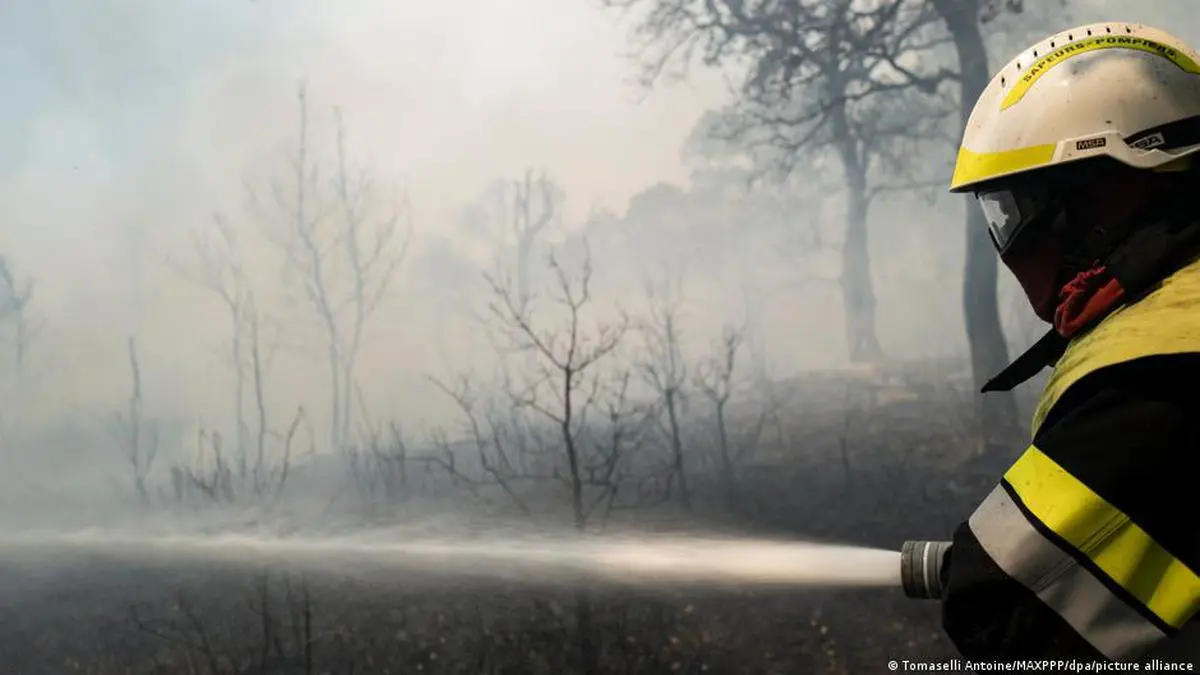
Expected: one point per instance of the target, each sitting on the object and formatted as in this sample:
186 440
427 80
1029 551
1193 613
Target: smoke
129 124
133 122
200 350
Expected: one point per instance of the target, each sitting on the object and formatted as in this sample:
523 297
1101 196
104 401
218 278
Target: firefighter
1079 153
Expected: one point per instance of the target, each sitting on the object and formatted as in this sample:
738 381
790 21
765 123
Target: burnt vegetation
607 403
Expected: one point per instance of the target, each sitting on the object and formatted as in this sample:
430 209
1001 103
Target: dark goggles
1015 213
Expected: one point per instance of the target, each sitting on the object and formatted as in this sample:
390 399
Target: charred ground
872 459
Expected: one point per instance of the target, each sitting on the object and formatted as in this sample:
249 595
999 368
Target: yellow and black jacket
1089 547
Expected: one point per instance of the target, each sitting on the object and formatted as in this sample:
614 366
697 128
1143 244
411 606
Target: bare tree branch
564 389
138 436
15 298
341 251
715 379
664 368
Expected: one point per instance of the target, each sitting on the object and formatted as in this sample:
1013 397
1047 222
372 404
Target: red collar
1087 299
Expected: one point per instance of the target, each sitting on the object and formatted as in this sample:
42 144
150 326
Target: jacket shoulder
1165 321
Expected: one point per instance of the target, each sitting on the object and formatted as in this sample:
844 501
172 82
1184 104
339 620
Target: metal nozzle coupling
921 568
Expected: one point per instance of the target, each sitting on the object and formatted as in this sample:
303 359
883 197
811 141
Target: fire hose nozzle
921 568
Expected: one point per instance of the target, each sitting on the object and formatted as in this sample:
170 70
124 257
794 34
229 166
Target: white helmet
1126 91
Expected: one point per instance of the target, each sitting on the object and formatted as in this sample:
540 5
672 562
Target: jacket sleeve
1089 545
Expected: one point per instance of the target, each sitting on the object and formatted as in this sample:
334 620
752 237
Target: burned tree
15 297
715 379
528 206
825 80
220 269
512 216
566 388
137 435
17 328
495 440
532 206
342 250
878 47
981 305
664 370
566 385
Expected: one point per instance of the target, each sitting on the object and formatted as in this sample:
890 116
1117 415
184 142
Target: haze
264 260
128 125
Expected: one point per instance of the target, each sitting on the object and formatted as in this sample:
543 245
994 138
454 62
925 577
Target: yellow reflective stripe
1107 622
1091 44
976 167
1121 549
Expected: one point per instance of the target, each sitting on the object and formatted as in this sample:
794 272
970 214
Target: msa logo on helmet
1147 142
1091 143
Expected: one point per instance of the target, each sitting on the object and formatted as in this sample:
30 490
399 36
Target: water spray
534 558
523 558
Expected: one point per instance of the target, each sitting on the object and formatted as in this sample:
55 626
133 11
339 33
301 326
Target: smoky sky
126 124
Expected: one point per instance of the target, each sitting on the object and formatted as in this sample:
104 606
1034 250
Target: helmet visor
1009 213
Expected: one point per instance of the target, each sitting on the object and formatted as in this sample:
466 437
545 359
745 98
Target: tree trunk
685 493
239 375
989 353
858 295
726 461
335 394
